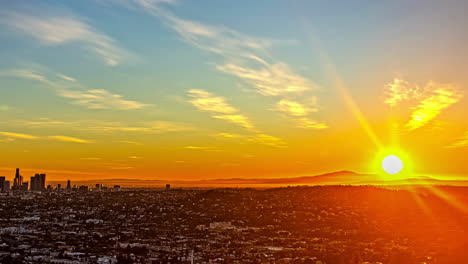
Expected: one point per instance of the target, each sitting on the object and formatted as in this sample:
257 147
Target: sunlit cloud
202 148
460 142
53 30
129 142
429 101
32 137
70 139
100 99
206 101
272 79
149 127
299 112
18 135
398 91
293 108
228 135
305 122
268 140
68 87
105 126
260 138
246 57
239 120
440 97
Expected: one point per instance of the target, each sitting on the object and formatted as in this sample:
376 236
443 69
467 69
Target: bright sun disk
392 164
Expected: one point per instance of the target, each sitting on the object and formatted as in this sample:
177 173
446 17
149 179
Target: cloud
270 79
398 91
18 135
203 148
129 142
70 139
206 101
31 137
461 142
293 108
429 101
258 138
149 127
68 87
239 120
299 112
268 140
247 57
305 122
100 99
440 97
104 126
53 30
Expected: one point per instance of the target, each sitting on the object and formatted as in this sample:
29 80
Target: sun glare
392 164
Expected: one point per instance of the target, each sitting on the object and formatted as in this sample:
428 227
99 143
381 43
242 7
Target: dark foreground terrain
334 224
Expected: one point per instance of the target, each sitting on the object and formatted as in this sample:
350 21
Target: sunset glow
167 90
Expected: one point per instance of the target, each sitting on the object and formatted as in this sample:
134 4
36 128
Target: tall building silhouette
69 188
38 182
2 180
6 186
18 180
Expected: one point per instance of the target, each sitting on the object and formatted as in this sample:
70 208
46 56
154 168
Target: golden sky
183 90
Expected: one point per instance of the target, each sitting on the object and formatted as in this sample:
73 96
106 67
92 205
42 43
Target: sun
392 164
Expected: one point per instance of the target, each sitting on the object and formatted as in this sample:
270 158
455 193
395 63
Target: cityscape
303 224
37 183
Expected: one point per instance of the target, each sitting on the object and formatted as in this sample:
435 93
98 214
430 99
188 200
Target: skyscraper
38 182
69 185
2 180
18 181
6 186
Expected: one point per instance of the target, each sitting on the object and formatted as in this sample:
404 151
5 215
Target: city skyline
185 90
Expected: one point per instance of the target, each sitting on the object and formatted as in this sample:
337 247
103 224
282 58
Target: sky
188 90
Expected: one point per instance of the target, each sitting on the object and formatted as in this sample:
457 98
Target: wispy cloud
100 99
460 142
53 30
293 108
239 120
270 79
15 135
440 97
69 139
68 87
398 91
299 113
429 101
246 57
208 102
305 122
105 126
203 148
259 138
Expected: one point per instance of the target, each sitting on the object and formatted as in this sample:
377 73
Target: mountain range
333 178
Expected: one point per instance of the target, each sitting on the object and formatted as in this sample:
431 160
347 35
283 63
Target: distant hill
333 178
